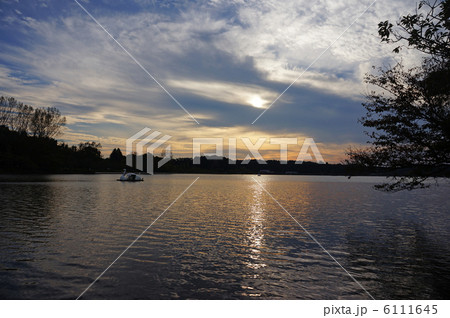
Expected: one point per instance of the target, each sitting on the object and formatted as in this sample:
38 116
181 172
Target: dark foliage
39 122
222 166
21 153
409 120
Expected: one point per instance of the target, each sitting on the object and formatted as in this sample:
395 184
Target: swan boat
130 177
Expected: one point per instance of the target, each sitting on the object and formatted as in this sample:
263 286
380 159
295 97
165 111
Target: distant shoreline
191 173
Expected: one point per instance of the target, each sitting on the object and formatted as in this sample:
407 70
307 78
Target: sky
225 62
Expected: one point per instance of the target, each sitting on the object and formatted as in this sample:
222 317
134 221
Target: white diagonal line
137 62
314 239
313 62
143 232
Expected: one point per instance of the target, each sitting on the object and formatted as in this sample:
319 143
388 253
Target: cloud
225 61
233 93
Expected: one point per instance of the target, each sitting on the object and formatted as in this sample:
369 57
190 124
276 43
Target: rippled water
225 238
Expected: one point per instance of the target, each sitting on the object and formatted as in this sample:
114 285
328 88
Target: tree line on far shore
28 144
24 153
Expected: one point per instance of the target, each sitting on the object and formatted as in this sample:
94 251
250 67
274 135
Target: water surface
225 238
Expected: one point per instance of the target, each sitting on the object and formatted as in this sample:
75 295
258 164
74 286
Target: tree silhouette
39 122
91 149
116 155
409 120
46 122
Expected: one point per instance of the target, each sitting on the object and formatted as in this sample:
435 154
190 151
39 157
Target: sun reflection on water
255 230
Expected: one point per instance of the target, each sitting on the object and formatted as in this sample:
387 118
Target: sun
257 101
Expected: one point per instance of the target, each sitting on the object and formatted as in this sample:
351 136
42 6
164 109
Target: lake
224 238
